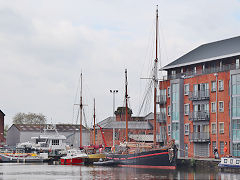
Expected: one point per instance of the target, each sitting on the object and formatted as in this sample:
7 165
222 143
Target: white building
19 133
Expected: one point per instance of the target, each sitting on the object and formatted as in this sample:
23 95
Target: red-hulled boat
74 157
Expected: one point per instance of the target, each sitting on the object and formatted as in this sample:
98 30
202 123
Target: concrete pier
198 162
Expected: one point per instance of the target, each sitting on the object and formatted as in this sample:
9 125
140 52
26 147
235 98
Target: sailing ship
143 155
75 156
95 151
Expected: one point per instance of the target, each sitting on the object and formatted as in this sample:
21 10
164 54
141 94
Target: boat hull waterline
72 161
155 159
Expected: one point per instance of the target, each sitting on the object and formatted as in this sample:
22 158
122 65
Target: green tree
29 118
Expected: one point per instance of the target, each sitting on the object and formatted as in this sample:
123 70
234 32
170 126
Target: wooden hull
154 159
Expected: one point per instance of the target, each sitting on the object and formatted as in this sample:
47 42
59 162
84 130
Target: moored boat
23 157
229 162
155 158
142 155
74 157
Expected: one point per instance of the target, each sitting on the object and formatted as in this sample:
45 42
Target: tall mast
94 116
81 110
155 79
126 98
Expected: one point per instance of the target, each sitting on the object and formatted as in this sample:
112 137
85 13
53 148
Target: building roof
110 123
208 52
2 112
131 125
38 127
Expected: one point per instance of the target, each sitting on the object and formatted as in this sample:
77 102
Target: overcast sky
44 46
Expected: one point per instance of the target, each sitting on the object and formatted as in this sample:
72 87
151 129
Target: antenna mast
126 98
155 79
94 119
81 111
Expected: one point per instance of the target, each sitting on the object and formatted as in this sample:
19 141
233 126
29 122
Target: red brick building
140 129
201 99
2 139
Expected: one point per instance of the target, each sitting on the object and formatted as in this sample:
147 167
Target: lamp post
216 75
115 91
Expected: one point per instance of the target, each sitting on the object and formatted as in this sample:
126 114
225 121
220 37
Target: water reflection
45 171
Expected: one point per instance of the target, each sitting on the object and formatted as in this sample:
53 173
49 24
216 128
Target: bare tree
29 118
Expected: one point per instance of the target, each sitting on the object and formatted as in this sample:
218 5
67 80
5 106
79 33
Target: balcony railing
161 117
199 116
162 99
189 74
199 95
199 137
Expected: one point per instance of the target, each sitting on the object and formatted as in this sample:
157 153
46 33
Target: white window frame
169 110
186 92
181 70
203 67
214 108
188 107
168 92
237 63
169 130
186 130
195 70
215 130
213 89
221 131
221 109
220 88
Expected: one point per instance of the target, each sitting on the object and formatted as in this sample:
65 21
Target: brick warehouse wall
222 116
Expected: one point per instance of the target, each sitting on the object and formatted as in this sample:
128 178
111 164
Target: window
168 92
213 128
169 130
237 161
162 95
221 147
181 70
186 129
195 70
169 110
186 109
55 142
237 63
173 73
186 150
186 89
213 145
221 106
117 135
213 108
203 67
221 127
220 85
213 83
220 65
